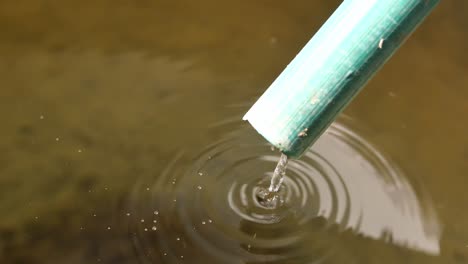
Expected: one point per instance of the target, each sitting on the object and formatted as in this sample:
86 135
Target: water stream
271 197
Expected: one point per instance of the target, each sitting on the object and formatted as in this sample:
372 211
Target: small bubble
210 221
155 221
128 214
94 214
147 189
165 254
146 229
181 257
41 117
209 157
272 148
154 228
156 212
57 139
273 40
203 222
142 220
81 228
175 200
178 239
200 173
79 150
108 228
37 217
199 187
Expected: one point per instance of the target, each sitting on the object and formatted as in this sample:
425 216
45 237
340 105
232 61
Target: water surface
103 104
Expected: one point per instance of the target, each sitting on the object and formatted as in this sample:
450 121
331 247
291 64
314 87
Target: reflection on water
206 209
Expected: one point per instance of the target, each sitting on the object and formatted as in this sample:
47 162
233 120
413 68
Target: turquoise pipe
332 68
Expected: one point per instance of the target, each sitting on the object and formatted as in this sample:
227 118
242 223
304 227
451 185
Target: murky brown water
99 98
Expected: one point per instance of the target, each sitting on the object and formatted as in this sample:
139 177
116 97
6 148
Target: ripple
208 210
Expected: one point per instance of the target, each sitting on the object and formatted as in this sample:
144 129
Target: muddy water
121 139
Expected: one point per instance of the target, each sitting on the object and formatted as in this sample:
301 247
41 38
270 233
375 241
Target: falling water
278 174
272 197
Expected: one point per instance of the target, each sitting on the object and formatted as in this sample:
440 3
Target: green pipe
332 68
